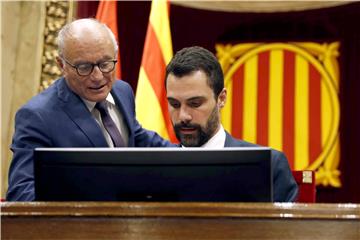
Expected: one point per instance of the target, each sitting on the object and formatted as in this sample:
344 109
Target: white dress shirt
115 115
218 140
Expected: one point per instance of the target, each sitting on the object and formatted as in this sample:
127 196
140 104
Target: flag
151 102
107 13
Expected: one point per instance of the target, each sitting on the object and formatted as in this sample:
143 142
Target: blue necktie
110 125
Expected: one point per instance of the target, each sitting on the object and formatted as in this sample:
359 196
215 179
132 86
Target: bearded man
195 91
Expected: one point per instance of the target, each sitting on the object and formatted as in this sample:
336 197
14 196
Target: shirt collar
90 105
216 141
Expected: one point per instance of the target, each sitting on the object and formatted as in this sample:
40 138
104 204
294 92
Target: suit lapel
232 142
80 115
228 140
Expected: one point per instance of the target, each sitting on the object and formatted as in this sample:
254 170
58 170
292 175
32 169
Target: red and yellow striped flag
151 103
107 13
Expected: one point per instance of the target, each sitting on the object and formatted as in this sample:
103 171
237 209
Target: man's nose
185 115
96 73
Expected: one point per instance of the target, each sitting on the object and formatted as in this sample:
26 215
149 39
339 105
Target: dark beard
201 135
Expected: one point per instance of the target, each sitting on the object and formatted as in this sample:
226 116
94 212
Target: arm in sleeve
285 187
144 137
30 132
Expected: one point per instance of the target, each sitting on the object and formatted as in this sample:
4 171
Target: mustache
186 125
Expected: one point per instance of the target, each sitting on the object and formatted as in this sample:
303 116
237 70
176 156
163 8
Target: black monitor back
153 174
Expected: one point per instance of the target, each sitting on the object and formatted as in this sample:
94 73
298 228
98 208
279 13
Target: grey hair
66 31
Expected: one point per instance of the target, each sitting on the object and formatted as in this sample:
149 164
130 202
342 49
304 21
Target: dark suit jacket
284 185
57 117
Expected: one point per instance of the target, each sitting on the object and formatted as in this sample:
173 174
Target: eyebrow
189 99
196 98
171 98
104 59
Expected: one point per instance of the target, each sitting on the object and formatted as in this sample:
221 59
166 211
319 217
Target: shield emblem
285 95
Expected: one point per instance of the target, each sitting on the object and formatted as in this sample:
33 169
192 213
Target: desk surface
141 209
110 220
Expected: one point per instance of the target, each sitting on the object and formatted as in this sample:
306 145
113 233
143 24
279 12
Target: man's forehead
187 90
84 36
79 45
194 78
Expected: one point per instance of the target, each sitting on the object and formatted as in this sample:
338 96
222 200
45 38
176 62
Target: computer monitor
153 174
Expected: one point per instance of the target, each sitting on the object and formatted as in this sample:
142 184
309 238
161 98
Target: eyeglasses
85 69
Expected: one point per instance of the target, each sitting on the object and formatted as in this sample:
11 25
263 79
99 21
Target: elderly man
87 107
195 91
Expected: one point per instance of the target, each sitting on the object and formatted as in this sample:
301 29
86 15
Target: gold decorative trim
58 13
259 6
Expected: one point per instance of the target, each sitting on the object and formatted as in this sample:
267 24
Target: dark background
206 28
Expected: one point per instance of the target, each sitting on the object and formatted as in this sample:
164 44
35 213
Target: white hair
67 31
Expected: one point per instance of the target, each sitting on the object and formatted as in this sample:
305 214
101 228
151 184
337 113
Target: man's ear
60 63
222 98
